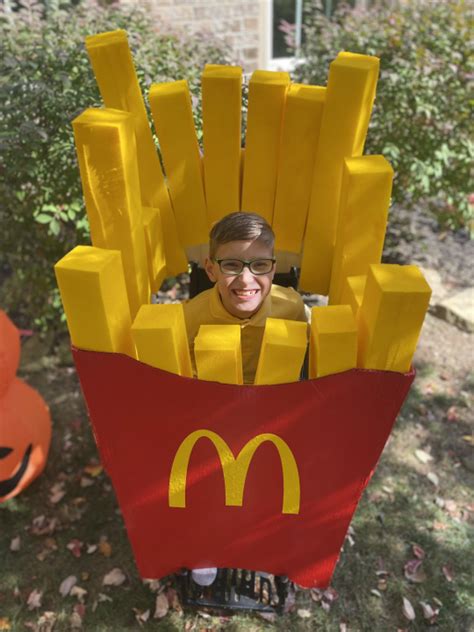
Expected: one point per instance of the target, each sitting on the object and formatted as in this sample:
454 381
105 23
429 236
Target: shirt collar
218 311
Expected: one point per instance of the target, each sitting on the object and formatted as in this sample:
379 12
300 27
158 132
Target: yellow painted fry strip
171 109
349 97
353 292
363 211
301 123
114 70
267 93
154 246
105 142
92 287
282 352
391 316
333 342
221 109
159 333
218 355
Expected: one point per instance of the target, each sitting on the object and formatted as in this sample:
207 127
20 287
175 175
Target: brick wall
236 22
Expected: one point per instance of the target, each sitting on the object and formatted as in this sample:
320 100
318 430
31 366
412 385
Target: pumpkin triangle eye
4 452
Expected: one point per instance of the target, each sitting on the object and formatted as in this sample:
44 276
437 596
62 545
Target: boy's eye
231 265
261 266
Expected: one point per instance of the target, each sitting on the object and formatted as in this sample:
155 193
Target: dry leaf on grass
452 414
93 469
34 599
15 545
408 611
100 599
414 572
91 548
161 606
80 593
115 577
303 613
429 612
448 572
141 616
46 622
105 548
57 493
86 482
75 546
418 551
67 584
5 623
433 478
423 456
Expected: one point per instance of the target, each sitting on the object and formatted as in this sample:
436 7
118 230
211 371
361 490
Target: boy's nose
246 274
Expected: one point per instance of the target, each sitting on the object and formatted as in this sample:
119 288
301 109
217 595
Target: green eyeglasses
235 267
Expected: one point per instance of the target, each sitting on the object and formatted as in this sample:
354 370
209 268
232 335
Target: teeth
245 292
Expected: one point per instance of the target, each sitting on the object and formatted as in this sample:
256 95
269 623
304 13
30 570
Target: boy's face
243 294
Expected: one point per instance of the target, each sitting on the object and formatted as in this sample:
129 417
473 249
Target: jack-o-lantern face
25 424
25 435
10 484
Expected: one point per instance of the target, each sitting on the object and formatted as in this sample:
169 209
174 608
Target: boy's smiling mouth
245 293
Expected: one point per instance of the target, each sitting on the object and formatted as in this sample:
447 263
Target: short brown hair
240 226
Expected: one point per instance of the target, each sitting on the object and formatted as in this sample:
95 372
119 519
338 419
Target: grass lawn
411 536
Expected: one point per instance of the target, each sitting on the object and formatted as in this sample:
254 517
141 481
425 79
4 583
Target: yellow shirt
207 309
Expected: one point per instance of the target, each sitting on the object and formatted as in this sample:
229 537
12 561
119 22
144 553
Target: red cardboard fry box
258 477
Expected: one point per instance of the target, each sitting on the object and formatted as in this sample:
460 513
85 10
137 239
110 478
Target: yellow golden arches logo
235 469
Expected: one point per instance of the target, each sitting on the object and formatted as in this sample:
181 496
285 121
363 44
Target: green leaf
43 219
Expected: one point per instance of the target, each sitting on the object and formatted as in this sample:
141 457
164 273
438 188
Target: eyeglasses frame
245 264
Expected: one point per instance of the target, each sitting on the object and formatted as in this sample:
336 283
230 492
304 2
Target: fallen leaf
153 584
440 526
85 576
173 600
448 572
75 546
100 599
433 478
375 592
67 584
91 548
414 572
86 481
450 506
418 552
43 526
161 606
452 414
57 493
105 548
343 627
382 584
303 613
115 577
140 616
408 611
5 623
423 456
316 594
330 594
429 612
78 592
34 599
46 622
469 439
15 545
93 469
77 616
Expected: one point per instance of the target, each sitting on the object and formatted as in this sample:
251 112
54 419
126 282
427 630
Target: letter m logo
235 469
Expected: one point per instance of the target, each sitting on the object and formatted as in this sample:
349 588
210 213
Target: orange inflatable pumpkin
25 423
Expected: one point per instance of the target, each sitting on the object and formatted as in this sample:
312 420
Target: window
286 24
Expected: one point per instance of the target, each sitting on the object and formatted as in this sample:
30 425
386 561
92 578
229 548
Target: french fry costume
210 472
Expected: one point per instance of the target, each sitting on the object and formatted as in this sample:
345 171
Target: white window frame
286 64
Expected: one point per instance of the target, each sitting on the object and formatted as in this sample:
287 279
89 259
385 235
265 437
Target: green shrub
46 82
421 116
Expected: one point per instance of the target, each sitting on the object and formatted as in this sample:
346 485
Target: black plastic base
236 590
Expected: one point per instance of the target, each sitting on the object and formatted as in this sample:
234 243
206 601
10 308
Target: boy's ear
209 268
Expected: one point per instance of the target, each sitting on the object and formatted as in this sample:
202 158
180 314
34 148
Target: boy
241 262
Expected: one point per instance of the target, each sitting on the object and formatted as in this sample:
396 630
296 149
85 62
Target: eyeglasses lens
235 266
